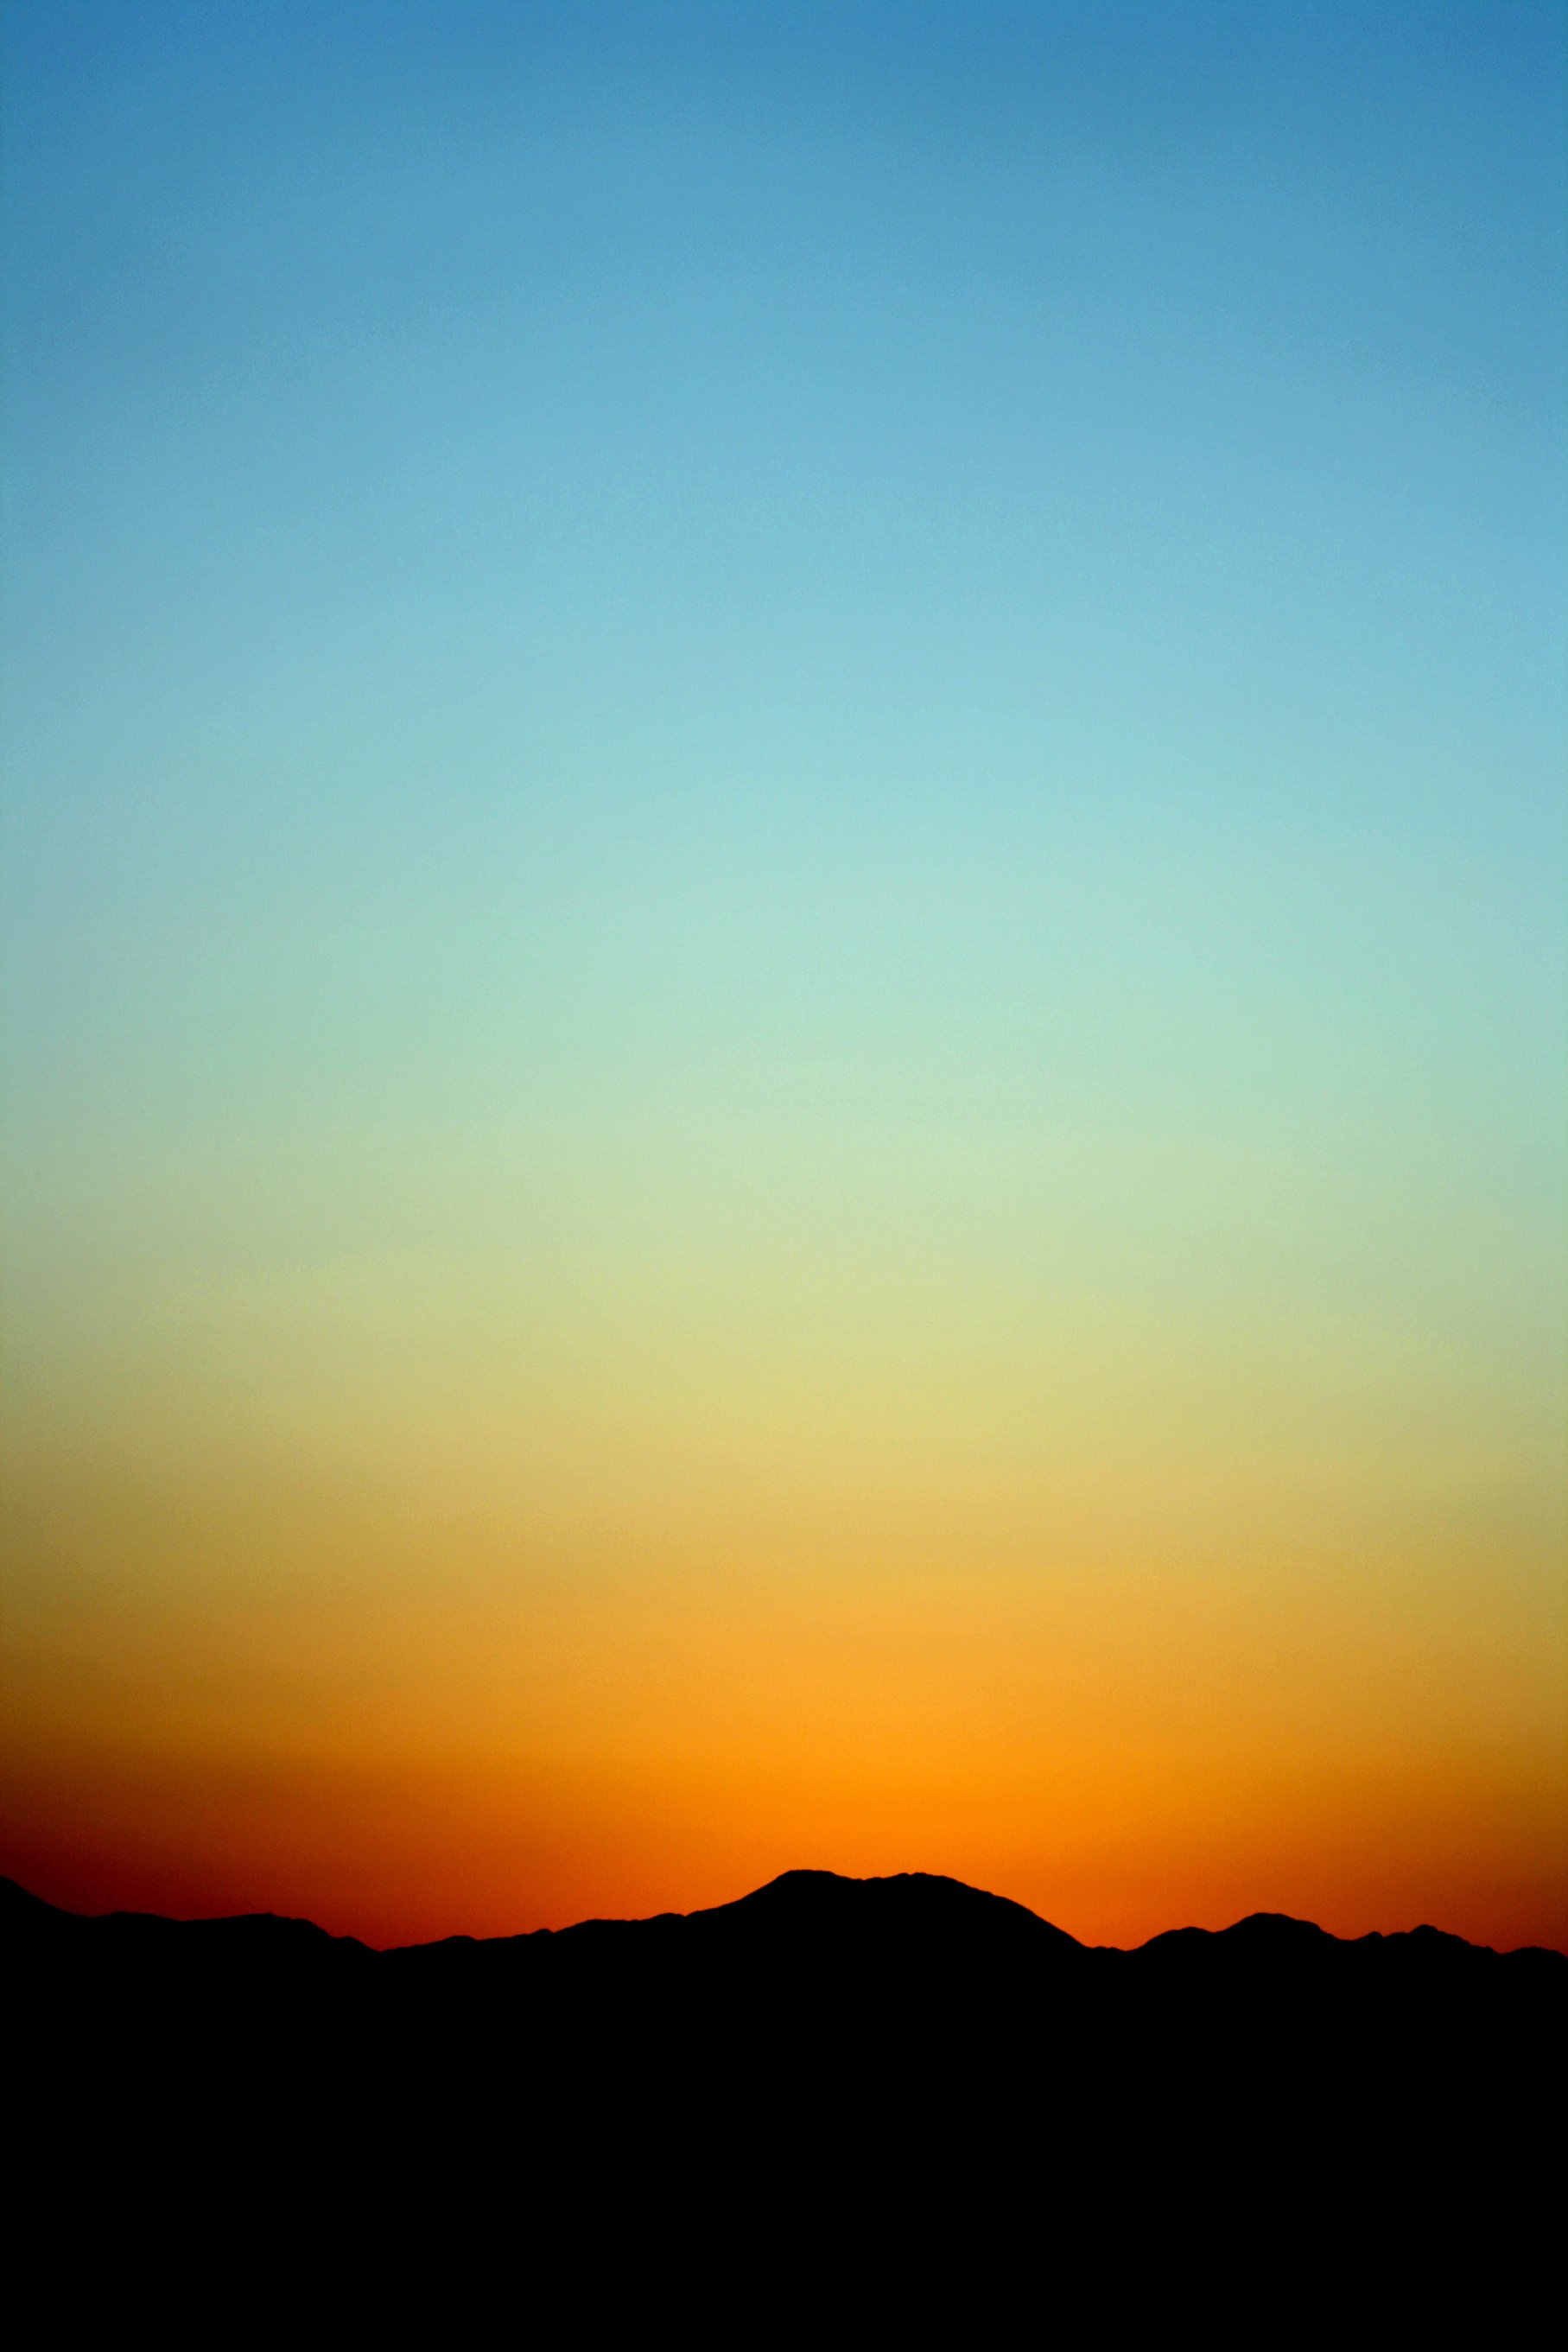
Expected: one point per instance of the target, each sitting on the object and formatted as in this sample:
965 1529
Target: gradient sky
784 991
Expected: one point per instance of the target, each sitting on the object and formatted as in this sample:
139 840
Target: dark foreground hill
825 2068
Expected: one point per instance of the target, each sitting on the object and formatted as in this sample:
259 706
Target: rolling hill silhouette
905 2063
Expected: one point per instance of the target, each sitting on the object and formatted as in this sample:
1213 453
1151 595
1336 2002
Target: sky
784 1000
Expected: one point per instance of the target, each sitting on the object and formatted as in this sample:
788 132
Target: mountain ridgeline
817 1942
876 2057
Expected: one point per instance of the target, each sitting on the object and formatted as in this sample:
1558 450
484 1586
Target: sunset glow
784 1003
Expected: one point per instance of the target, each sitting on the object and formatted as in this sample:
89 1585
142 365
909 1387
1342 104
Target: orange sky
410 1725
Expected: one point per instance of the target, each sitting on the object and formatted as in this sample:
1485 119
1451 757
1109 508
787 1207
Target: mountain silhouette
822 2069
805 1920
